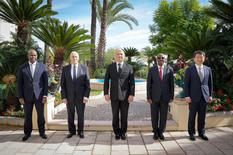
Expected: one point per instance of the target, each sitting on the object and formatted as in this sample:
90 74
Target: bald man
75 90
33 89
121 92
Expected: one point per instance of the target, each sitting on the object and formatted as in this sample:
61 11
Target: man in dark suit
198 87
75 90
33 88
160 91
121 92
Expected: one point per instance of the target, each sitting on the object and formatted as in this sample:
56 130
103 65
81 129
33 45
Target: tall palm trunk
102 38
49 2
23 34
93 35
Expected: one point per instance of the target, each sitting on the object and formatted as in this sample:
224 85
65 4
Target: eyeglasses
160 58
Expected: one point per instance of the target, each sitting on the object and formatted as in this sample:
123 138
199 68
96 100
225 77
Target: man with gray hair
121 92
75 90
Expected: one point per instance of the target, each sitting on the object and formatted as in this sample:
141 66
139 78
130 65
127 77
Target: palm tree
187 43
102 38
24 13
130 52
62 38
222 10
93 35
108 14
150 53
49 2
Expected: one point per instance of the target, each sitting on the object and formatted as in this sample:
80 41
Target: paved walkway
103 143
99 110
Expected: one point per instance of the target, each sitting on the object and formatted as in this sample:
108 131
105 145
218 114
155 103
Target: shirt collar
72 65
197 66
162 66
120 63
32 63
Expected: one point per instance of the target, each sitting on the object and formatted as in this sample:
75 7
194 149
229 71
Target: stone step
61 124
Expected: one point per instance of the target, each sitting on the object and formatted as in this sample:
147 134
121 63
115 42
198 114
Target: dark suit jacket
158 89
27 85
122 85
77 89
194 88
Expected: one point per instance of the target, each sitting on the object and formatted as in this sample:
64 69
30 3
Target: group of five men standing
120 83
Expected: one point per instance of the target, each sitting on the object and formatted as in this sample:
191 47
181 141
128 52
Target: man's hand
21 101
44 101
64 101
85 100
210 99
130 98
149 101
107 98
188 100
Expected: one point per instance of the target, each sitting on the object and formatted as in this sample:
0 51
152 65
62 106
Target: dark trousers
80 108
120 124
159 112
28 107
200 108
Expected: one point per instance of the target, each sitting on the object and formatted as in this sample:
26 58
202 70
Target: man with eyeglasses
160 91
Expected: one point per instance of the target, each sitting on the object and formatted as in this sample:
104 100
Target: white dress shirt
162 68
202 69
118 65
72 67
32 67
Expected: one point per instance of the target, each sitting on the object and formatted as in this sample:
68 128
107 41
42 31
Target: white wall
5 29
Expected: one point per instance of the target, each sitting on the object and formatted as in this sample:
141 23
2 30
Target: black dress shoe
123 136
204 137
161 137
117 136
81 134
70 135
25 137
43 136
155 137
192 138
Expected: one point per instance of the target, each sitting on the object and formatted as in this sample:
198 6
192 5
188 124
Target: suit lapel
164 70
123 68
196 73
36 69
69 72
157 72
28 70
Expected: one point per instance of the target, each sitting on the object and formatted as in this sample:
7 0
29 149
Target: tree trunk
93 35
102 38
49 2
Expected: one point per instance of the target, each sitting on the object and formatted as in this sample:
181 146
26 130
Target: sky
119 34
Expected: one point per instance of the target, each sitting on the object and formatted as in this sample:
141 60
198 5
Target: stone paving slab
103 143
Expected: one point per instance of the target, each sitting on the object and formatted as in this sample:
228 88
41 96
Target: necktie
200 73
74 72
119 68
161 72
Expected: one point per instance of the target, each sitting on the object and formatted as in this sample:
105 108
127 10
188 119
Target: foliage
175 18
115 7
99 73
220 103
130 52
109 56
24 13
222 10
108 13
61 37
